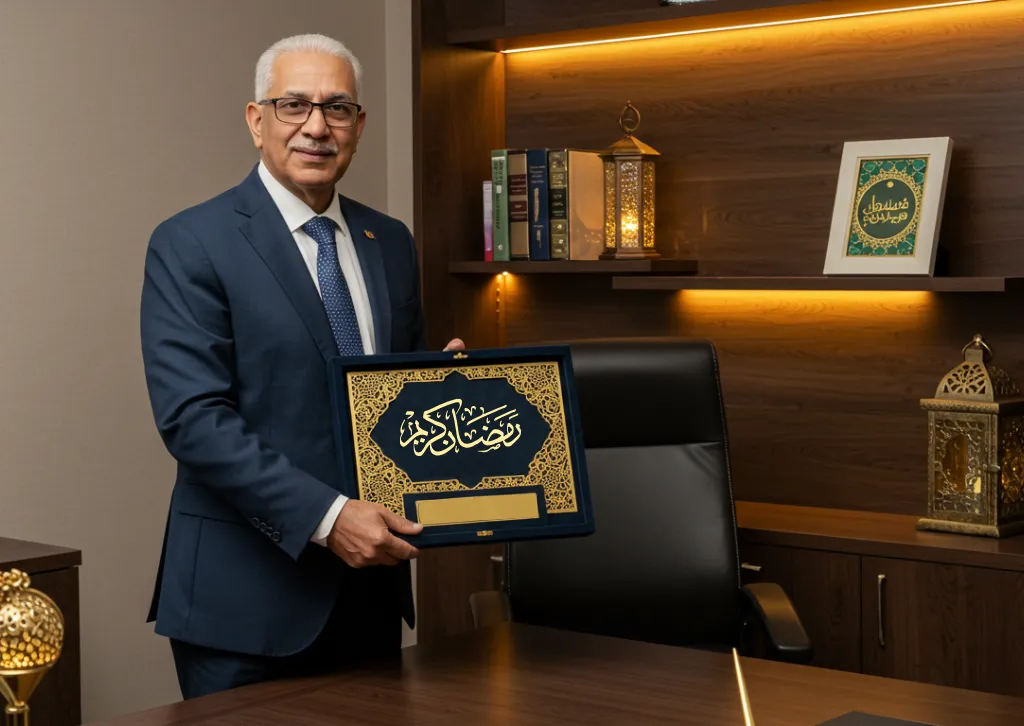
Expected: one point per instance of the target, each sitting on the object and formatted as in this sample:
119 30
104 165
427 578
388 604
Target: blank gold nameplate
471 510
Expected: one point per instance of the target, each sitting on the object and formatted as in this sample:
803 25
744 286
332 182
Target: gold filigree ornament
31 640
382 481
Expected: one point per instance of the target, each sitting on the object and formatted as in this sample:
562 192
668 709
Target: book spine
499 181
537 173
518 207
488 189
558 203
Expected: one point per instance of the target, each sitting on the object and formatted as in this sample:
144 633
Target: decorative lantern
975 449
629 194
31 640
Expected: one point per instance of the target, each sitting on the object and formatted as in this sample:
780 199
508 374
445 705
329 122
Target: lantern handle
629 119
978 342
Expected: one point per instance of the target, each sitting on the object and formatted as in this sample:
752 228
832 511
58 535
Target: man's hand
454 344
362 535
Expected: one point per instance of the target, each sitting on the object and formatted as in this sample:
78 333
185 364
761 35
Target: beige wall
117 114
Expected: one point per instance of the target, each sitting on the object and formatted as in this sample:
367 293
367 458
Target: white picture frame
859 241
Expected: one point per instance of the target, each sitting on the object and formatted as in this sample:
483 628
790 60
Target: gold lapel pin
369 234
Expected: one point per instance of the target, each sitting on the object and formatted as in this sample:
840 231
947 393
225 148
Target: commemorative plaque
476 446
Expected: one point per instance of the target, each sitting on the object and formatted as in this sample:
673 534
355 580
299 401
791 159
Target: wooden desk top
872 534
33 557
516 674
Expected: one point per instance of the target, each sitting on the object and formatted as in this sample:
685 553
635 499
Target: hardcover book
518 207
558 208
477 446
537 179
499 203
576 177
488 221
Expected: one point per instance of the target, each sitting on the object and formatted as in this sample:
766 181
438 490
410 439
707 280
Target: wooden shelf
562 267
845 282
695 16
871 534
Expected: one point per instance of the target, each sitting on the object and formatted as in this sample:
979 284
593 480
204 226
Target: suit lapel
371 262
269 235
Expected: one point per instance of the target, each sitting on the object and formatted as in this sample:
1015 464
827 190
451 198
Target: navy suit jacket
235 341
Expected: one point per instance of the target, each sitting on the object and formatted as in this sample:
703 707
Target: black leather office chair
662 565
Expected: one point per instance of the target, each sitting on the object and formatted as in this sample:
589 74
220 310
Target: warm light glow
505 274
747 26
759 297
800 308
630 225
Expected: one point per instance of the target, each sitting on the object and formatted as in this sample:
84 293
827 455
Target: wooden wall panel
528 11
752 123
821 389
459 14
458 99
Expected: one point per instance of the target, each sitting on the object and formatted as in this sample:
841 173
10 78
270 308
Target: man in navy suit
267 571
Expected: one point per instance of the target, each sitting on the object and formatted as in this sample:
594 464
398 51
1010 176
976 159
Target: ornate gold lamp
629 194
31 639
975 449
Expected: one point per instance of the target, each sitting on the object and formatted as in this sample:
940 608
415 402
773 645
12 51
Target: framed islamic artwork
888 207
477 446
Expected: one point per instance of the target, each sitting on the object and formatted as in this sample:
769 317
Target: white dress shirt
296 213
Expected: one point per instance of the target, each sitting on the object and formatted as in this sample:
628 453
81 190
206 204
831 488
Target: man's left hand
455 344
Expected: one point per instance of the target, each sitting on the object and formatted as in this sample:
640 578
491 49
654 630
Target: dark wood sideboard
54 571
878 597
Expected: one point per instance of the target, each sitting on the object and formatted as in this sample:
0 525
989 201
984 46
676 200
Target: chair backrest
662 564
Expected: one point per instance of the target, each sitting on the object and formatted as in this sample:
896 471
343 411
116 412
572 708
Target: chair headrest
648 391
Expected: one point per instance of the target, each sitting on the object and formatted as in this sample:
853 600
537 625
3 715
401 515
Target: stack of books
544 204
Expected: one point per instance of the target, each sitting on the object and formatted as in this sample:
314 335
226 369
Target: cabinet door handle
881 613
748 566
497 558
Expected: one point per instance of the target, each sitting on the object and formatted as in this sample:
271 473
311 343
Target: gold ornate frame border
382 481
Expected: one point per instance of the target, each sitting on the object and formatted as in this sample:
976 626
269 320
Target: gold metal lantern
31 640
975 449
629 194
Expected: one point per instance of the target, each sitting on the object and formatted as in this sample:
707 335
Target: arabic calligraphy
879 213
450 426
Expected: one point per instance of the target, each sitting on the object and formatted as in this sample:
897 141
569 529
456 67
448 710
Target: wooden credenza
878 597
54 571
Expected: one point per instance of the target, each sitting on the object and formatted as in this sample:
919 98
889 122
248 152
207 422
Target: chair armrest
490 607
785 631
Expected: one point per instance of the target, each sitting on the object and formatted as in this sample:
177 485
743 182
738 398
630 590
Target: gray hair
312 43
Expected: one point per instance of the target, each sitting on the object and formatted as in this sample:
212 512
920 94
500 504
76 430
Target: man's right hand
362 535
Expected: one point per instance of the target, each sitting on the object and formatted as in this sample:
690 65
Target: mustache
314 147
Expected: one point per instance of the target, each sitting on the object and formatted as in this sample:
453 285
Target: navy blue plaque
477 446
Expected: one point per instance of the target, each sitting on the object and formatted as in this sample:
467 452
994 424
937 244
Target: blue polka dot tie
341 312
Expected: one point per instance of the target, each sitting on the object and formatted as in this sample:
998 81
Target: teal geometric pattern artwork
887 207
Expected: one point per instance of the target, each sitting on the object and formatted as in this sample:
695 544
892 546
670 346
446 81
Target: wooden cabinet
878 596
945 624
54 572
467 569
825 590
947 609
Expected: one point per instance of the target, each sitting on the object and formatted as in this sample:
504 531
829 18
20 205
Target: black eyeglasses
337 114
